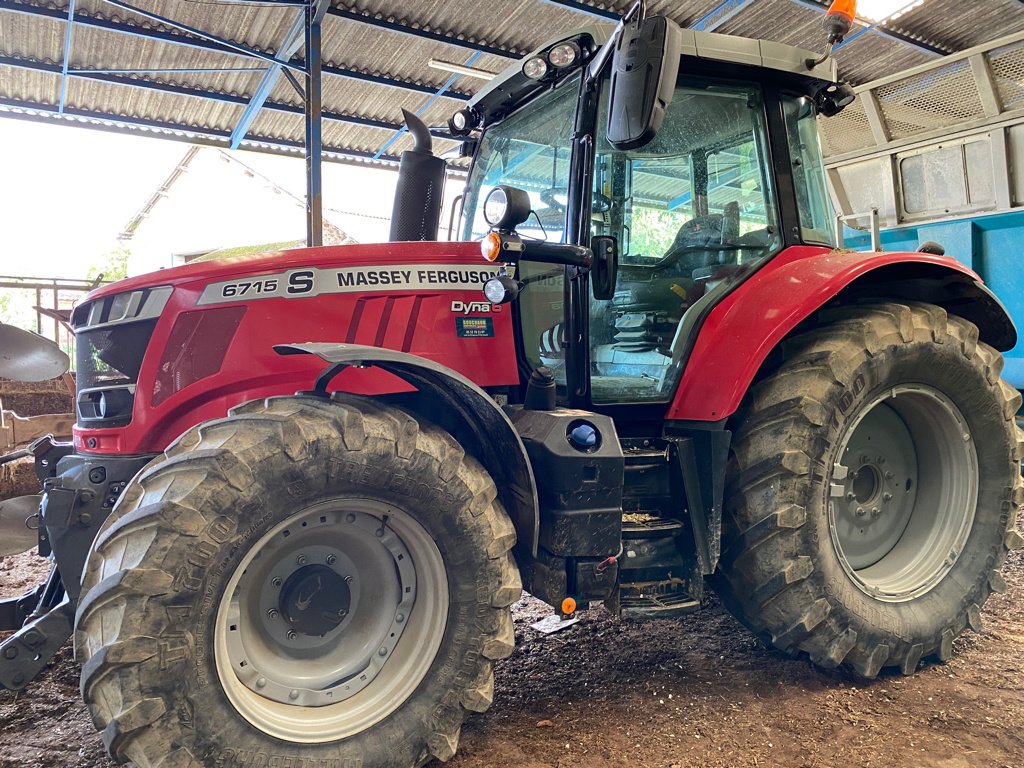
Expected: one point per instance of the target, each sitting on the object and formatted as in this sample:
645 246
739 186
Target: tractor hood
376 254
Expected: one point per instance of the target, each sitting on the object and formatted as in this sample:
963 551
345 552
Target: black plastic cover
644 71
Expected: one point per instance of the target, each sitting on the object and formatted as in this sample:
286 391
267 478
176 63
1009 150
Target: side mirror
644 69
605 267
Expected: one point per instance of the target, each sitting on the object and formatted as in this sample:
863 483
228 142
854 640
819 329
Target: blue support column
314 16
68 32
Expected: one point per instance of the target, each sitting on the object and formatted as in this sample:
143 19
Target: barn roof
151 65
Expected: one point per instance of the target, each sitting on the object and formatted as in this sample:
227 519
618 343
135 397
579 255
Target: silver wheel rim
903 493
386 586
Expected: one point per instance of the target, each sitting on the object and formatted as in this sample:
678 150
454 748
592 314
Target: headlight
535 68
564 55
506 207
501 289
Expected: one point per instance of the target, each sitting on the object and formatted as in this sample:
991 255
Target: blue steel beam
290 44
405 29
68 32
723 12
213 136
922 47
174 38
118 78
238 47
422 109
589 10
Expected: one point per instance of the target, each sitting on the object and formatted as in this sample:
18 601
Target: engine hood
329 256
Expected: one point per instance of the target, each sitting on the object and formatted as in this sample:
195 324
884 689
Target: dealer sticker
474 327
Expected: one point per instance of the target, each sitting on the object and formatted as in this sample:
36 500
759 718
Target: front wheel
319 583
872 490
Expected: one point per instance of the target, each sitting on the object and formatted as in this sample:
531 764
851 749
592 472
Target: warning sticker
311 281
474 327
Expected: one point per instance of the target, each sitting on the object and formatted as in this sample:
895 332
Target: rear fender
743 329
481 425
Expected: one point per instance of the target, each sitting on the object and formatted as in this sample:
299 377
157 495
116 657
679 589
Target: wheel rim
331 620
903 493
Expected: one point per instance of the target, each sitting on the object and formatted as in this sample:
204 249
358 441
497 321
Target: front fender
494 440
741 331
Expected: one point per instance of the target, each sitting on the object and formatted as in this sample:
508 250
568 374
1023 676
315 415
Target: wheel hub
315 600
902 492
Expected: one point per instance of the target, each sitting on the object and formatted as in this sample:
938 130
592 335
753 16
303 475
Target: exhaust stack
417 209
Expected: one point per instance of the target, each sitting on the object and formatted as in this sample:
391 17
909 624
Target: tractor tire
872 489
306 582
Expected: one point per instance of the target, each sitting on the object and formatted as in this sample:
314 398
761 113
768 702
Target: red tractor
305 488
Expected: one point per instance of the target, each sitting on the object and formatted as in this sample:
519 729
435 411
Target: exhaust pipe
417 209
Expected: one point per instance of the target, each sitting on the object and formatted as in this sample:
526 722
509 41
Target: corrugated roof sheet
207 105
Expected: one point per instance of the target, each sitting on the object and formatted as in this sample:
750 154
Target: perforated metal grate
846 132
935 99
1007 65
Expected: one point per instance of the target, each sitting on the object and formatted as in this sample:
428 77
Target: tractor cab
731 175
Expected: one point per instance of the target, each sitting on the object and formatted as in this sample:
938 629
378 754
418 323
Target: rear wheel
310 581
873 489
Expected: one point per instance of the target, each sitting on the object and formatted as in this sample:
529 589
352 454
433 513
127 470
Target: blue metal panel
990 245
175 38
718 16
68 32
394 26
931 50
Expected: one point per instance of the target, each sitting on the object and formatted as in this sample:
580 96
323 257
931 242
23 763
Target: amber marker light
568 606
845 8
490 247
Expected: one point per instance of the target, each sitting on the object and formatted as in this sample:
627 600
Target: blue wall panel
993 246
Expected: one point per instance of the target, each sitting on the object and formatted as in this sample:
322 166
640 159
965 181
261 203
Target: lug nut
851 496
291 634
875 512
400 618
382 652
889 475
350 518
860 512
331 559
272 613
342 613
886 497
301 559
349 579
276 581
261 682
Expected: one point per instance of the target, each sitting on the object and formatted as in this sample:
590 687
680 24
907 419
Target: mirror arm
637 11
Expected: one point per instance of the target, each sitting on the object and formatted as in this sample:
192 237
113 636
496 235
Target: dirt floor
665 694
